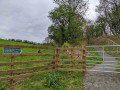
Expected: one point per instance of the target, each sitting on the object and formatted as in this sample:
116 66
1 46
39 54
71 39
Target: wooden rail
25 75
16 55
25 62
56 63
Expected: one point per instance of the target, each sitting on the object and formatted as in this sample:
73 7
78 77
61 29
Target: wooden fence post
55 58
84 58
58 56
71 57
11 68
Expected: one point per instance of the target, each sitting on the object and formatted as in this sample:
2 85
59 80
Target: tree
67 21
109 15
89 32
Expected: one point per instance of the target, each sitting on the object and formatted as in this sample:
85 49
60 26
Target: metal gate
104 58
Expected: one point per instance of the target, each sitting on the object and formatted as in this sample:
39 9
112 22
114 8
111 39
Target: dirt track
100 80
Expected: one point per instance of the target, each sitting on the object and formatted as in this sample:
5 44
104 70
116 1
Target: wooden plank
70 48
74 65
72 55
11 68
5 64
55 52
24 69
39 61
63 69
84 59
58 57
25 75
29 62
25 62
9 55
22 46
70 60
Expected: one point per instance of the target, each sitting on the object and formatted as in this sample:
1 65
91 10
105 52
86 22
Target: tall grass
54 81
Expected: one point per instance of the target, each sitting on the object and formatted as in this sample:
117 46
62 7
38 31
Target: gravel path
100 80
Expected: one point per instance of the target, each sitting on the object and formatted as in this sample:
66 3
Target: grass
118 59
114 55
25 58
47 81
118 55
53 81
91 59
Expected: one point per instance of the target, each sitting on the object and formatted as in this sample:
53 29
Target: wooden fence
56 63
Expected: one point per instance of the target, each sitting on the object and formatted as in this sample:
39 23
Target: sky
27 19
91 14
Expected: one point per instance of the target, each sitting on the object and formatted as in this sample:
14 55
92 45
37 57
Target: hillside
7 42
106 40
116 39
32 51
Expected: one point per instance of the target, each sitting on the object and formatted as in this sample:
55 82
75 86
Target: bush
66 45
3 85
18 40
53 80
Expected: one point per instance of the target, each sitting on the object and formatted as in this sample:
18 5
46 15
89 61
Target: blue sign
12 50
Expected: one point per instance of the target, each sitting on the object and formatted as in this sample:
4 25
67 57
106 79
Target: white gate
103 58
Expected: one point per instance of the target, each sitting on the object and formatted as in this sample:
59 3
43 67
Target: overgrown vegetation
109 16
3 85
108 20
53 81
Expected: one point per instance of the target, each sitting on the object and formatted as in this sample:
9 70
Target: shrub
3 85
66 45
53 80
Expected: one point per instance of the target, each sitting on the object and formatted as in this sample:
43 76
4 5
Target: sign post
12 50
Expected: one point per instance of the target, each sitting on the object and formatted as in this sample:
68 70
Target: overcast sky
91 14
27 19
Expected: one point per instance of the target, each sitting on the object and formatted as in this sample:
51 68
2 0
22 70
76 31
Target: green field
48 81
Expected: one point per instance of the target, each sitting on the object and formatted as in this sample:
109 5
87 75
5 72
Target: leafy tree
89 32
115 19
67 21
109 15
93 31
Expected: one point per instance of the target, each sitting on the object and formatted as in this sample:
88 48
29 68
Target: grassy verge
57 80
53 81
